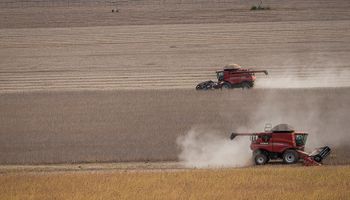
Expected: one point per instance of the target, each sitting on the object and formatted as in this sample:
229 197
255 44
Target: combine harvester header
283 142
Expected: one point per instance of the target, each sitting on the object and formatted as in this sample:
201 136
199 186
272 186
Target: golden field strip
285 183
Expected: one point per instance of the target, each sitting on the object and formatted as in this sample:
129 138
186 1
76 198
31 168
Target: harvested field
297 54
301 44
93 103
92 13
141 125
247 183
79 83
94 167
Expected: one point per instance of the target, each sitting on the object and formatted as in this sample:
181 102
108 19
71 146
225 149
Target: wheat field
287 183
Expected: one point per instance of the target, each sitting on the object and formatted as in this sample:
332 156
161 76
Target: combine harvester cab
232 76
283 142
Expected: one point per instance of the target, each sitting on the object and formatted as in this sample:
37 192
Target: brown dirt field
96 167
81 84
172 56
91 126
309 40
53 13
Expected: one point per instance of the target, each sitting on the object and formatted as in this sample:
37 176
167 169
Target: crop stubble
141 125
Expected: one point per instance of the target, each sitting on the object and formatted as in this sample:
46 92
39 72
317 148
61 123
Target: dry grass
247 183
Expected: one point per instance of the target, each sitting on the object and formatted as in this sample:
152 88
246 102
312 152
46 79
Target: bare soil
143 125
176 44
79 83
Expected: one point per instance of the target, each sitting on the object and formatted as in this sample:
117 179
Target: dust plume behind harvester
232 76
283 142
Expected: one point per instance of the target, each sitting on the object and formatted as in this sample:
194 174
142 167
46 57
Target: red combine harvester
232 76
283 142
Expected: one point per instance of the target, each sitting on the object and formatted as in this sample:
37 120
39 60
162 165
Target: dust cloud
317 101
337 79
324 117
320 73
322 112
209 149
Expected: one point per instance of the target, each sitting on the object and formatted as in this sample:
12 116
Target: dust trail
319 73
318 80
324 117
206 149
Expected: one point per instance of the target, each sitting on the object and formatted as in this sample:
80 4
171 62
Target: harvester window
300 140
220 76
265 138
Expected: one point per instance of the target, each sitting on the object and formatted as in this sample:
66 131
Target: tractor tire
226 85
290 157
245 86
260 159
